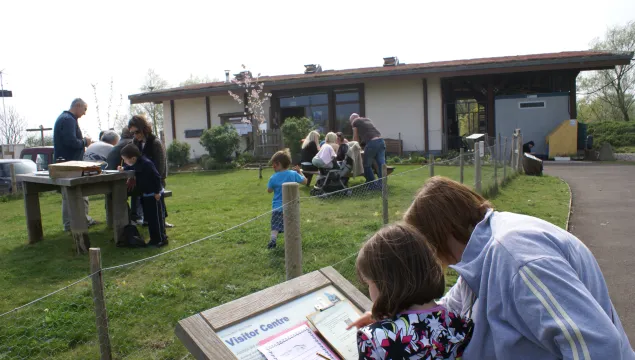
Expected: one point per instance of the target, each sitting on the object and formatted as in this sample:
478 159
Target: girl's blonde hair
313 136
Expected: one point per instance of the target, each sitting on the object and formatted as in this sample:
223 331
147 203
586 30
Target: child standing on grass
148 183
404 279
280 162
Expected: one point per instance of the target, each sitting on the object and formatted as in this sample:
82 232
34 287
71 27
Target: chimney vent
227 76
391 61
312 69
241 75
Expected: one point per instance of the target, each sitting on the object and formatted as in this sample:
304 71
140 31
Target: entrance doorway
288 112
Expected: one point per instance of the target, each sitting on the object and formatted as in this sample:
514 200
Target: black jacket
114 157
147 177
68 141
154 151
308 153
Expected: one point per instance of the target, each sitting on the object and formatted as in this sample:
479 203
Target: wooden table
74 189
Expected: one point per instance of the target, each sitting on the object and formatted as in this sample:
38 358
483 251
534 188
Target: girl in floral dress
404 279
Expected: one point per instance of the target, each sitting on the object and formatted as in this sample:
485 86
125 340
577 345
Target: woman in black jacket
150 146
310 148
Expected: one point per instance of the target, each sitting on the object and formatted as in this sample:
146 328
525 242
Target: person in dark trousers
148 182
527 146
151 147
69 144
364 131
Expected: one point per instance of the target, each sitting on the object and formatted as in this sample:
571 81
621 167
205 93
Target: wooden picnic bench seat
309 176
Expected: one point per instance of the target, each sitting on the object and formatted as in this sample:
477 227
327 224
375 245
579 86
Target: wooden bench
309 176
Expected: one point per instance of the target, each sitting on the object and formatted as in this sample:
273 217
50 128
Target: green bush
221 142
203 159
394 160
178 153
245 158
293 130
616 133
212 164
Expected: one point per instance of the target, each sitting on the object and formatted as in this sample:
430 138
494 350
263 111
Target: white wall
396 106
435 111
190 114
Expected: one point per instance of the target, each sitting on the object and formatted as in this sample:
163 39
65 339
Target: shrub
178 153
616 133
203 159
293 131
212 164
245 158
394 160
221 142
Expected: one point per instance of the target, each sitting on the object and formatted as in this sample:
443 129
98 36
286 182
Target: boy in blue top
280 162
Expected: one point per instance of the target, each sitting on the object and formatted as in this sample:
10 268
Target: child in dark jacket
148 183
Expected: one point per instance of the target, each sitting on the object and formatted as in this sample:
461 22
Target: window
313 106
346 103
193 133
42 162
532 104
28 157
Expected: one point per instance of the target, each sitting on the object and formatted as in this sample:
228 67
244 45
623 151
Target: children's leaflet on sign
242 339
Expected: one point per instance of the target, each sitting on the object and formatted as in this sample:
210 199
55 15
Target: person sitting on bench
310 148
324 159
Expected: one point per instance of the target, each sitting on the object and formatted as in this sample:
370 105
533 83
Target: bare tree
193 80
152 82
110 121
35 141
614 87
13 127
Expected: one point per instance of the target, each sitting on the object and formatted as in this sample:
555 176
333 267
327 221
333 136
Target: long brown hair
141 123
444 207
399 261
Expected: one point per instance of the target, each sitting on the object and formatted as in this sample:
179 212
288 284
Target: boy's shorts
277 221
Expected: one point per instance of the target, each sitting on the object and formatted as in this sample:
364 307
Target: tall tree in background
13 127
111 117
193 80
152 82
614 87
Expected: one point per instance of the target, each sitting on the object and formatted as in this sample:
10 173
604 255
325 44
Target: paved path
604 219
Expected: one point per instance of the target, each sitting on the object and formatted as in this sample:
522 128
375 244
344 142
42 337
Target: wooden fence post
504 154
477 167
101 316
292 237
259 170
513 157
14 183
496 154
461 162
521 155
384 192
431 165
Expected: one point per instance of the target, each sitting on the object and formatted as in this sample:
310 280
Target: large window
329 108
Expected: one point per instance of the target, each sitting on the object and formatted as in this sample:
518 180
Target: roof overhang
575 63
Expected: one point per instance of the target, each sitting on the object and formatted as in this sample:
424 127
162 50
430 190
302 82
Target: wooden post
292 237
101 315
431 165
119 205
384 192
461 162
32 212
259 170
14 183
79 225
513 157
521 155
495 167
499 153
477 167
504 154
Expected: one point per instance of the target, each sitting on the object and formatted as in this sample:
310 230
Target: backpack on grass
132 238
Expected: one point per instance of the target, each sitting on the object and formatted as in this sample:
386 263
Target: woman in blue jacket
534 290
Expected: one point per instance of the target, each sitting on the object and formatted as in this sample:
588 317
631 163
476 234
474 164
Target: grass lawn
146 299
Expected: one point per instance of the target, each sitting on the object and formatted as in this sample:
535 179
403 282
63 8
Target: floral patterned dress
428 334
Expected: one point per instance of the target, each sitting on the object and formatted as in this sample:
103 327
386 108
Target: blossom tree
253 96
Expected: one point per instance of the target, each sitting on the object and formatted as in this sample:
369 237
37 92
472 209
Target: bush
212 164
616 133
293 131
394 160
221 142
245 158
178 153
203 159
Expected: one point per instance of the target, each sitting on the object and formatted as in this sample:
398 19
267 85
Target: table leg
119 204
79 225
109 212
32 212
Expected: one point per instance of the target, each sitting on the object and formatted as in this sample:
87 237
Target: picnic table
74 189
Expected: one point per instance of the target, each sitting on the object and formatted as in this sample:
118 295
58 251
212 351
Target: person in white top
326 155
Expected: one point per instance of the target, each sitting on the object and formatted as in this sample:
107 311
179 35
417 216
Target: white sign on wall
481 148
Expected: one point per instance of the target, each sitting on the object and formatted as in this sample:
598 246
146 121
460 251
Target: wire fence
143 300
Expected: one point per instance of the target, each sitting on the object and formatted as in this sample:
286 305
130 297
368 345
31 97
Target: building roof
573 60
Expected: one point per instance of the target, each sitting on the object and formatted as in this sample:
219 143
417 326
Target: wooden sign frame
199 332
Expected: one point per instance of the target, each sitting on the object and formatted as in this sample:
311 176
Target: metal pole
384 192
477 167
431 165
505 161
461 162
4 108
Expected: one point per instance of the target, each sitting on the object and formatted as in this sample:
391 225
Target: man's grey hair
110 137
77 102
126 134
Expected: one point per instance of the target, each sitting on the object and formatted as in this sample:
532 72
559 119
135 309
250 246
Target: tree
13 127
597 110
152 82
614 87
110 120
221 142
193 80
35 141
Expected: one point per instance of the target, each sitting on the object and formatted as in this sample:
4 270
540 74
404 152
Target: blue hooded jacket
68 141
536 292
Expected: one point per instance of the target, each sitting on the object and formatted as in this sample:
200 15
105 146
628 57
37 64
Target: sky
52 51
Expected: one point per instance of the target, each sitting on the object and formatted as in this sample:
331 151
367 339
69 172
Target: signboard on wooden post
234 330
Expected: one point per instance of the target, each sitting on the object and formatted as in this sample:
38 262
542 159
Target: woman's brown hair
399 261
444 207
141 123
